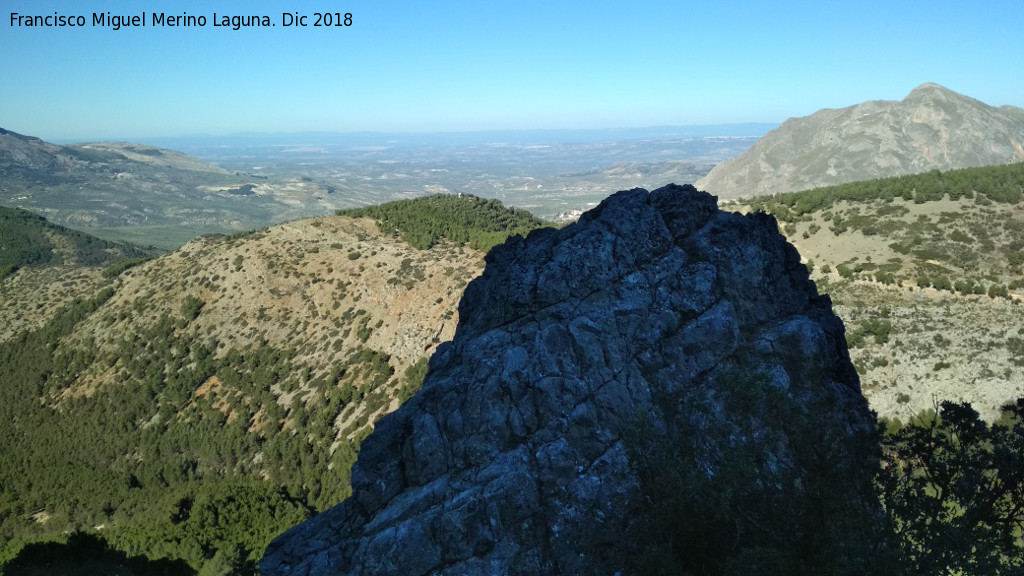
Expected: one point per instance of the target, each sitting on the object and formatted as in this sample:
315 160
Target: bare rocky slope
526 450
933 128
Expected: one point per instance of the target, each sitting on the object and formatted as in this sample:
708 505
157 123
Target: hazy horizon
433 138
459 67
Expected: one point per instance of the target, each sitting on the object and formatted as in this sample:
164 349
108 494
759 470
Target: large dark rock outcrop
657 340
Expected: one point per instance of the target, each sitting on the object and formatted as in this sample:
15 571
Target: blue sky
492 64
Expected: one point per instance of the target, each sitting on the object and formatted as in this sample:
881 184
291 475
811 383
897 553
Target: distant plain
146 194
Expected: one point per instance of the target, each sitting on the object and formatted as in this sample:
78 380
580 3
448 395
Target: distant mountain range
28 155
459 139
144 194
152 195
933 128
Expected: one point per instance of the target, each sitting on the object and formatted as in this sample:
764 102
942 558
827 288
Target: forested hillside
1003 184
158 465
195 405
27 239
459 219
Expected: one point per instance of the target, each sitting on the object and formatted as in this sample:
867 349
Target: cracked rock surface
514 458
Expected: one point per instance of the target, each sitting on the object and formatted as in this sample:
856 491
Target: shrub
998 291
953 489
414 377
191 307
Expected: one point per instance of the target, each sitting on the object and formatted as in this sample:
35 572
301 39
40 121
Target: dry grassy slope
942 345
296 286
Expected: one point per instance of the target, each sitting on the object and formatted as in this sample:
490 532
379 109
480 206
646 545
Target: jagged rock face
519 455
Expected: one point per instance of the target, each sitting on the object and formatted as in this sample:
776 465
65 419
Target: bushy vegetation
414 377
881 242
191 307
953 490
461 220
876 327
951 487
85 554
115 270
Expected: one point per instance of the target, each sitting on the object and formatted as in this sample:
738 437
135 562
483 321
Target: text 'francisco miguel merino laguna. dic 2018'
162 19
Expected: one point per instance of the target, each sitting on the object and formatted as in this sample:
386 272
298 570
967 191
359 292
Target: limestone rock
655 316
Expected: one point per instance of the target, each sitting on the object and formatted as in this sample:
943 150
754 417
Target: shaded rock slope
532 445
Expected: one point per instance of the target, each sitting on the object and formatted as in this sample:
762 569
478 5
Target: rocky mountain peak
931 90
933 128
956 107
659 358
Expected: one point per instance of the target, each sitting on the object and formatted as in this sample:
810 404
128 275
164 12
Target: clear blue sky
493 64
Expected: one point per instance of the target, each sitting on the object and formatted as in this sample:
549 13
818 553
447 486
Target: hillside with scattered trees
191 407
927 272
